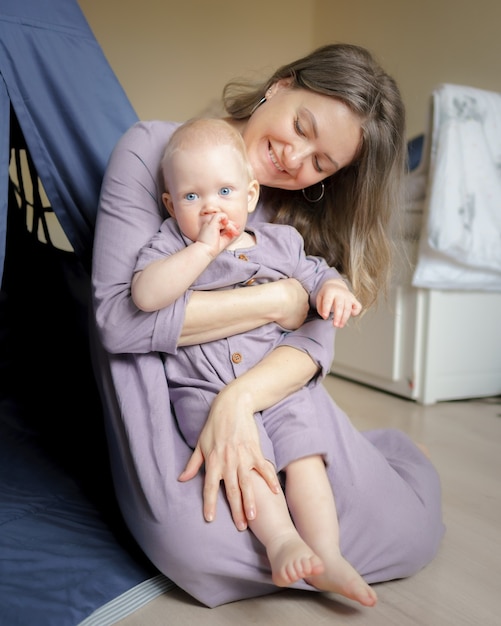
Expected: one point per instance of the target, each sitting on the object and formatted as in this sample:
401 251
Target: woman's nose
295 155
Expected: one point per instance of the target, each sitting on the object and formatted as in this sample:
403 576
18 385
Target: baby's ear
167 200
252 195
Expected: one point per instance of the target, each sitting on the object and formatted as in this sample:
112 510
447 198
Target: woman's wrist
239 391
282 372
289 303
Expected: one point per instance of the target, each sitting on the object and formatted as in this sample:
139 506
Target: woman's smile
274 159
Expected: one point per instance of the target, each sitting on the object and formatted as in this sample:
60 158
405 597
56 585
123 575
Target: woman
325 136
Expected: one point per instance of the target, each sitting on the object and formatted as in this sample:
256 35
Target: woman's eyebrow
314 127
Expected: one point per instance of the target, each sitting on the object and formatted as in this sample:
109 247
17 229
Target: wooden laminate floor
463 584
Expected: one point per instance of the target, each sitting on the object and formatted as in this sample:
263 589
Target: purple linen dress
388 494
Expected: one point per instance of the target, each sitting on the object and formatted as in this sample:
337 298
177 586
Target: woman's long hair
351 227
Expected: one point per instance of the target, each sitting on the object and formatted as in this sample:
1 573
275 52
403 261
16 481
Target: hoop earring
322 193
262 101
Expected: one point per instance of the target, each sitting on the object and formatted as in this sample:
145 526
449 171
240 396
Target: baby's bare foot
341 578
291 559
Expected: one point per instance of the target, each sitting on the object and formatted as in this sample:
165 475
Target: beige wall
173 59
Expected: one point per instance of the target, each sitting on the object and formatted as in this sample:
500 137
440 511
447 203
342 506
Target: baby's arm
335 297
164 280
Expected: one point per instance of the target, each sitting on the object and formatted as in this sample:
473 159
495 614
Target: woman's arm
130 214
229 443
213 315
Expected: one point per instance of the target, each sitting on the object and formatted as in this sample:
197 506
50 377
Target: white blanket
460 241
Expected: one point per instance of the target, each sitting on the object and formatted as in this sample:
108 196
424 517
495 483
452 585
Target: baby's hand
218 232
230 230
336 298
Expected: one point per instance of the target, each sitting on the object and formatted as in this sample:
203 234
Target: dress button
250 281
243 257
236 357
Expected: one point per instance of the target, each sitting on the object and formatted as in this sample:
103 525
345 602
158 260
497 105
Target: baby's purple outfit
288 430
387 492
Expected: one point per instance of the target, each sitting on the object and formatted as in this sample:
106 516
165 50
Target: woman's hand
229 446
229 442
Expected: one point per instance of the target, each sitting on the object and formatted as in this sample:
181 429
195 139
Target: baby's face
208 180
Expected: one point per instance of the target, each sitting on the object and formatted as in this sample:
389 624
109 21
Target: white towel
460 242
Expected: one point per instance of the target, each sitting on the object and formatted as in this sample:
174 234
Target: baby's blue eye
225 191
191 196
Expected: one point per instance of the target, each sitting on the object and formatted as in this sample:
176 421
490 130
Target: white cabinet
426 345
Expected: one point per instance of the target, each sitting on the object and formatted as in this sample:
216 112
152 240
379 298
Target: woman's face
298 137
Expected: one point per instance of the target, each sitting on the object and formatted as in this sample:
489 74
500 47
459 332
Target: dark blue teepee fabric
64 552
69 104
